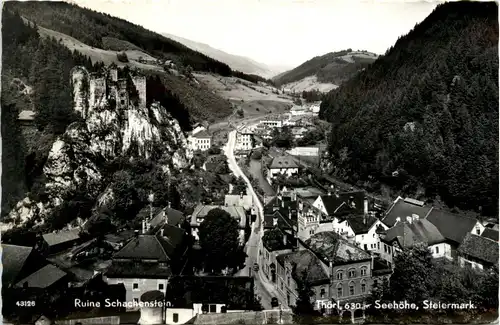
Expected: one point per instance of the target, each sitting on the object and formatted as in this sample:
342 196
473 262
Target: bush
240 113
122 57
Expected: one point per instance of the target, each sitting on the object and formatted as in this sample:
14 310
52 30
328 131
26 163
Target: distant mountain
422 120
325 72
236 62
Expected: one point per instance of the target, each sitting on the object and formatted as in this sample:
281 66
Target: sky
275 32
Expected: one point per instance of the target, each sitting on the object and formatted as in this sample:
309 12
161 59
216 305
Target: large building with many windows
200 141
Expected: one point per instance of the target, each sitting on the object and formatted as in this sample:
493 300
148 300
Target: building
18 262
337 204
298 132
282 165
315 107
298 110
200 141
338 270
274 242
478 252
55 242
411 232
244 139
402 208
273 122
281 212
147 262
241 200
454 228
49 277
490 234
190 296
26 117
237 212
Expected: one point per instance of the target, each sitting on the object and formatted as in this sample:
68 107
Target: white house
237 212
284 165
298 110
244 139
335 203
273 122
200 141
315 107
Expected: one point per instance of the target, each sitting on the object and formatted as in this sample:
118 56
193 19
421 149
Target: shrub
122 57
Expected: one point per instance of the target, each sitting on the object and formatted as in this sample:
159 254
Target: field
308 84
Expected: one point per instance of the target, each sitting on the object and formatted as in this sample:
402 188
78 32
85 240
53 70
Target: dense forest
424 117
335 67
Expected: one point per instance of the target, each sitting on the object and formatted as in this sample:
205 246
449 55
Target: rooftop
245 201
26 115
453 227
402 208
307 262
480 248
360 224
283 162
333 248
63 236
146 247
202 134
345 202
307 192
13 259
409 234
490 234
284 209
43 278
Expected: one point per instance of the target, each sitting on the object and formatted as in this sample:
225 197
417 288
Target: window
352 273
160 286
281 282
362 236
175 317
340 275
478 231
288 280
135 286
363 271
213 308
339 291
363 287
437 250
378 246
136 300
366 247
322 293
351 289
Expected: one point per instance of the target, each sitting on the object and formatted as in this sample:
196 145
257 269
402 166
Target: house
315 107
281 211
117 240
454 227
190 296
478 252
145 263
282 165
338 270
26 117
402 208
273 122
198 127
237 212
337 204
48 277
200 141
18 262
244 139
161 216
363 229
298 110
241 200
55 242
298 132
411 232
274 242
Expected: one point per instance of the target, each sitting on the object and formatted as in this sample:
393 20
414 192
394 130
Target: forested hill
424 117
334 67
97 29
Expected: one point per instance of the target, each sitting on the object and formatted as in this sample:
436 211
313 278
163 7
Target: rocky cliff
115 122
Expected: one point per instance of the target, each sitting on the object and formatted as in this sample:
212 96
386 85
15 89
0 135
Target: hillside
325 72
423 118
236 62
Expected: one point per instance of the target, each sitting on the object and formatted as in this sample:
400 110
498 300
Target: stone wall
140 85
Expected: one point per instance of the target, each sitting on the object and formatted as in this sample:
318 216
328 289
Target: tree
273 239
304 305
122 57
282 138
219 241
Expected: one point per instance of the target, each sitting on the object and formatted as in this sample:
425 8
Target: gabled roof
360 224
283 162
335 203
307 262
63 236
172 238
13 259
308 192
43 278
144 247
284 209
480 248
490 234
402 208
410 234
26 115
334 248
453 227
202 134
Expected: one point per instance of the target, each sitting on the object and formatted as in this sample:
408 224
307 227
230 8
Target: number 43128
25 303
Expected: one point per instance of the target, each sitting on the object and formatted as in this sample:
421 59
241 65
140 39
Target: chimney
415 217
241 195
365 206
143 226
282 203
275 221
161 232
409 220
289 213
329 193
373 260
351 202
169 205
284 239
294 196
398 219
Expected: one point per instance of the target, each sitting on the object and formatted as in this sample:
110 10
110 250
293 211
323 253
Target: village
294 224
